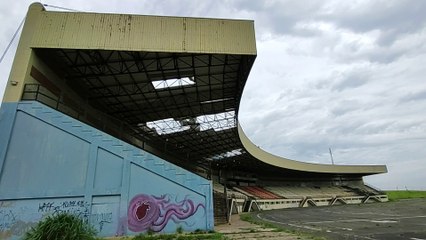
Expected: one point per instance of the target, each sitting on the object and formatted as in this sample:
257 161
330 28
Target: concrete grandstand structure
109 115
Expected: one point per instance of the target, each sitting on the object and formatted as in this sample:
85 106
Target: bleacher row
284 192
237 199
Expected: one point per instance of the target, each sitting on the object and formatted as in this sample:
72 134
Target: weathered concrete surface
405 219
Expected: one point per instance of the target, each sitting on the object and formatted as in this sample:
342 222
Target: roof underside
184 102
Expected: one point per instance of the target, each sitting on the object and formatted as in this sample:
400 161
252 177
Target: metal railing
104 122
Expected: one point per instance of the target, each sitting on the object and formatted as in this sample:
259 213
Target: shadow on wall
51 163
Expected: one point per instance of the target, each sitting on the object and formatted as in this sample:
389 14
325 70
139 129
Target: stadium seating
257 192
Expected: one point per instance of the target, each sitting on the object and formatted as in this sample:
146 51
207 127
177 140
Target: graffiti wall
154 213
16 217
51 163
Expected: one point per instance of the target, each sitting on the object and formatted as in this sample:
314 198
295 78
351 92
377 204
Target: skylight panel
173 83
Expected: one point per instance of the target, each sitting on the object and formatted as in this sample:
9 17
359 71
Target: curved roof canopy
175 82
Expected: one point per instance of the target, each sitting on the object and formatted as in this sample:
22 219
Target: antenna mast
331 156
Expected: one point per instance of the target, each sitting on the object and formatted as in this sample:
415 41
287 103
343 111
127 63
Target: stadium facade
131 122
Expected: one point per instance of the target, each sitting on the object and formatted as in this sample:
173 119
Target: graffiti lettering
7 219
45 207
100 219
80 209
67 204
16 218
76 208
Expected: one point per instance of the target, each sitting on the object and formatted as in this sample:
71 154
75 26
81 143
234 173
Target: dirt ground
239 229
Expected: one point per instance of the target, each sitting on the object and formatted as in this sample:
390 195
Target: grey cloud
385 56
352 80
350 52
281 16
380 56
345 106
374 127
416 96
344 80
392 20
387 37
394 17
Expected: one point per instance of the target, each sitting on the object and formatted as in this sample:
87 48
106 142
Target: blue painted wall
51 163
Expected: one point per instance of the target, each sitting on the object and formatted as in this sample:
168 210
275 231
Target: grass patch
405 194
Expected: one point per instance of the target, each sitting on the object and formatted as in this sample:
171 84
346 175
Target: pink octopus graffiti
150 212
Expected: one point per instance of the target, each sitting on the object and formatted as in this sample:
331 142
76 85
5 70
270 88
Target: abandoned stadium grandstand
131 122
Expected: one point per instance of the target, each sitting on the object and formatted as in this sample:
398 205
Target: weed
150 231
61 226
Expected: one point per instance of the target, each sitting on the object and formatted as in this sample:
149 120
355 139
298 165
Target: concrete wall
52 163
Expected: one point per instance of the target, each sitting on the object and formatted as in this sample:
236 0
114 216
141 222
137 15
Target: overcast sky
349 75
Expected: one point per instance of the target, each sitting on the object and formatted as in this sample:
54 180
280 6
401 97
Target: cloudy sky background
349 75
